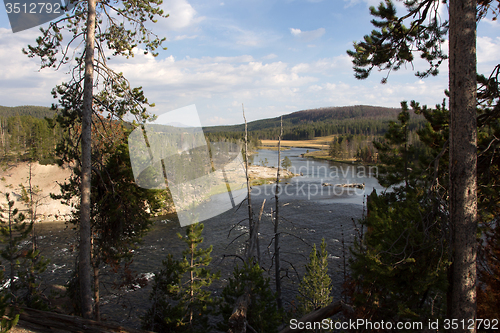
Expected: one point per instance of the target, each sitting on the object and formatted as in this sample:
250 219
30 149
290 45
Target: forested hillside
27 110
307 124
28 132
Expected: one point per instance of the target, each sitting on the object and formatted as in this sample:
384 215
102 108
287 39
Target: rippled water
307 217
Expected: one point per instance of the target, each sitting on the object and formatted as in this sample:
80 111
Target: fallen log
51 322
318 316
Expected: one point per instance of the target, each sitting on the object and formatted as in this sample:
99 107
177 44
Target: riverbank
323 155
319 144
316 143
45 179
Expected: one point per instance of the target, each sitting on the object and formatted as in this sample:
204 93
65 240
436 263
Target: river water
309 212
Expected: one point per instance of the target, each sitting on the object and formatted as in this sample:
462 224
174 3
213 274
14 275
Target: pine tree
400 266
181 301
392 44
262 314
120 210
14 230
335 150
286 163
396 153
93 25
35 262
25 262
316 286
399 269
488 289
161 317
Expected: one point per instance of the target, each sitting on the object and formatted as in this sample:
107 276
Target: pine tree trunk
11 258
191 285
97 311
251 244
85 269
277 263
463 156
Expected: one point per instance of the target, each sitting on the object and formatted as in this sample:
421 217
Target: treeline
25 137
360 126
253 140
39 112
363 147
313 116
308 124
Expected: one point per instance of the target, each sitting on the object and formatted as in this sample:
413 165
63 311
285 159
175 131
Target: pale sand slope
260 172
43 176
46 178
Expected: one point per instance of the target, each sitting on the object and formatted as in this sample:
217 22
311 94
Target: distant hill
326 114
39 112
308 124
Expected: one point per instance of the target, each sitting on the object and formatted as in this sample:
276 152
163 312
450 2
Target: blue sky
274 56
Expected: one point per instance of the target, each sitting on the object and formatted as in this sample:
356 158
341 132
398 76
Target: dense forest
28 132
308 124
39 112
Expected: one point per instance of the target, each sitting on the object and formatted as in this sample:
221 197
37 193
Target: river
309 211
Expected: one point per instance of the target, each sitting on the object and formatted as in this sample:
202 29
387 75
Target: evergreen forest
422 257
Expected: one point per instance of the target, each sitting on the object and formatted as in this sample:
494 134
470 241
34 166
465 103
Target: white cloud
215 120
488 49
325 66
490 22
181 15
233 36
21 81
219 85
270 56
369 3
307 36
295 32
182 37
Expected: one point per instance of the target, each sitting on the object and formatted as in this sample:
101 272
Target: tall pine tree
181 300
316 286
96 26
392 44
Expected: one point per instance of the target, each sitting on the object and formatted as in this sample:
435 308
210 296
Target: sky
273 56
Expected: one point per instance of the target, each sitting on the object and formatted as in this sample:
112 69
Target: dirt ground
44 180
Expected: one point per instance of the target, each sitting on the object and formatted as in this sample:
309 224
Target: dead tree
251 248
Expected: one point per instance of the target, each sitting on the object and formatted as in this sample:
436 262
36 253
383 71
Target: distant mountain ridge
39 112
294 118
304 117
